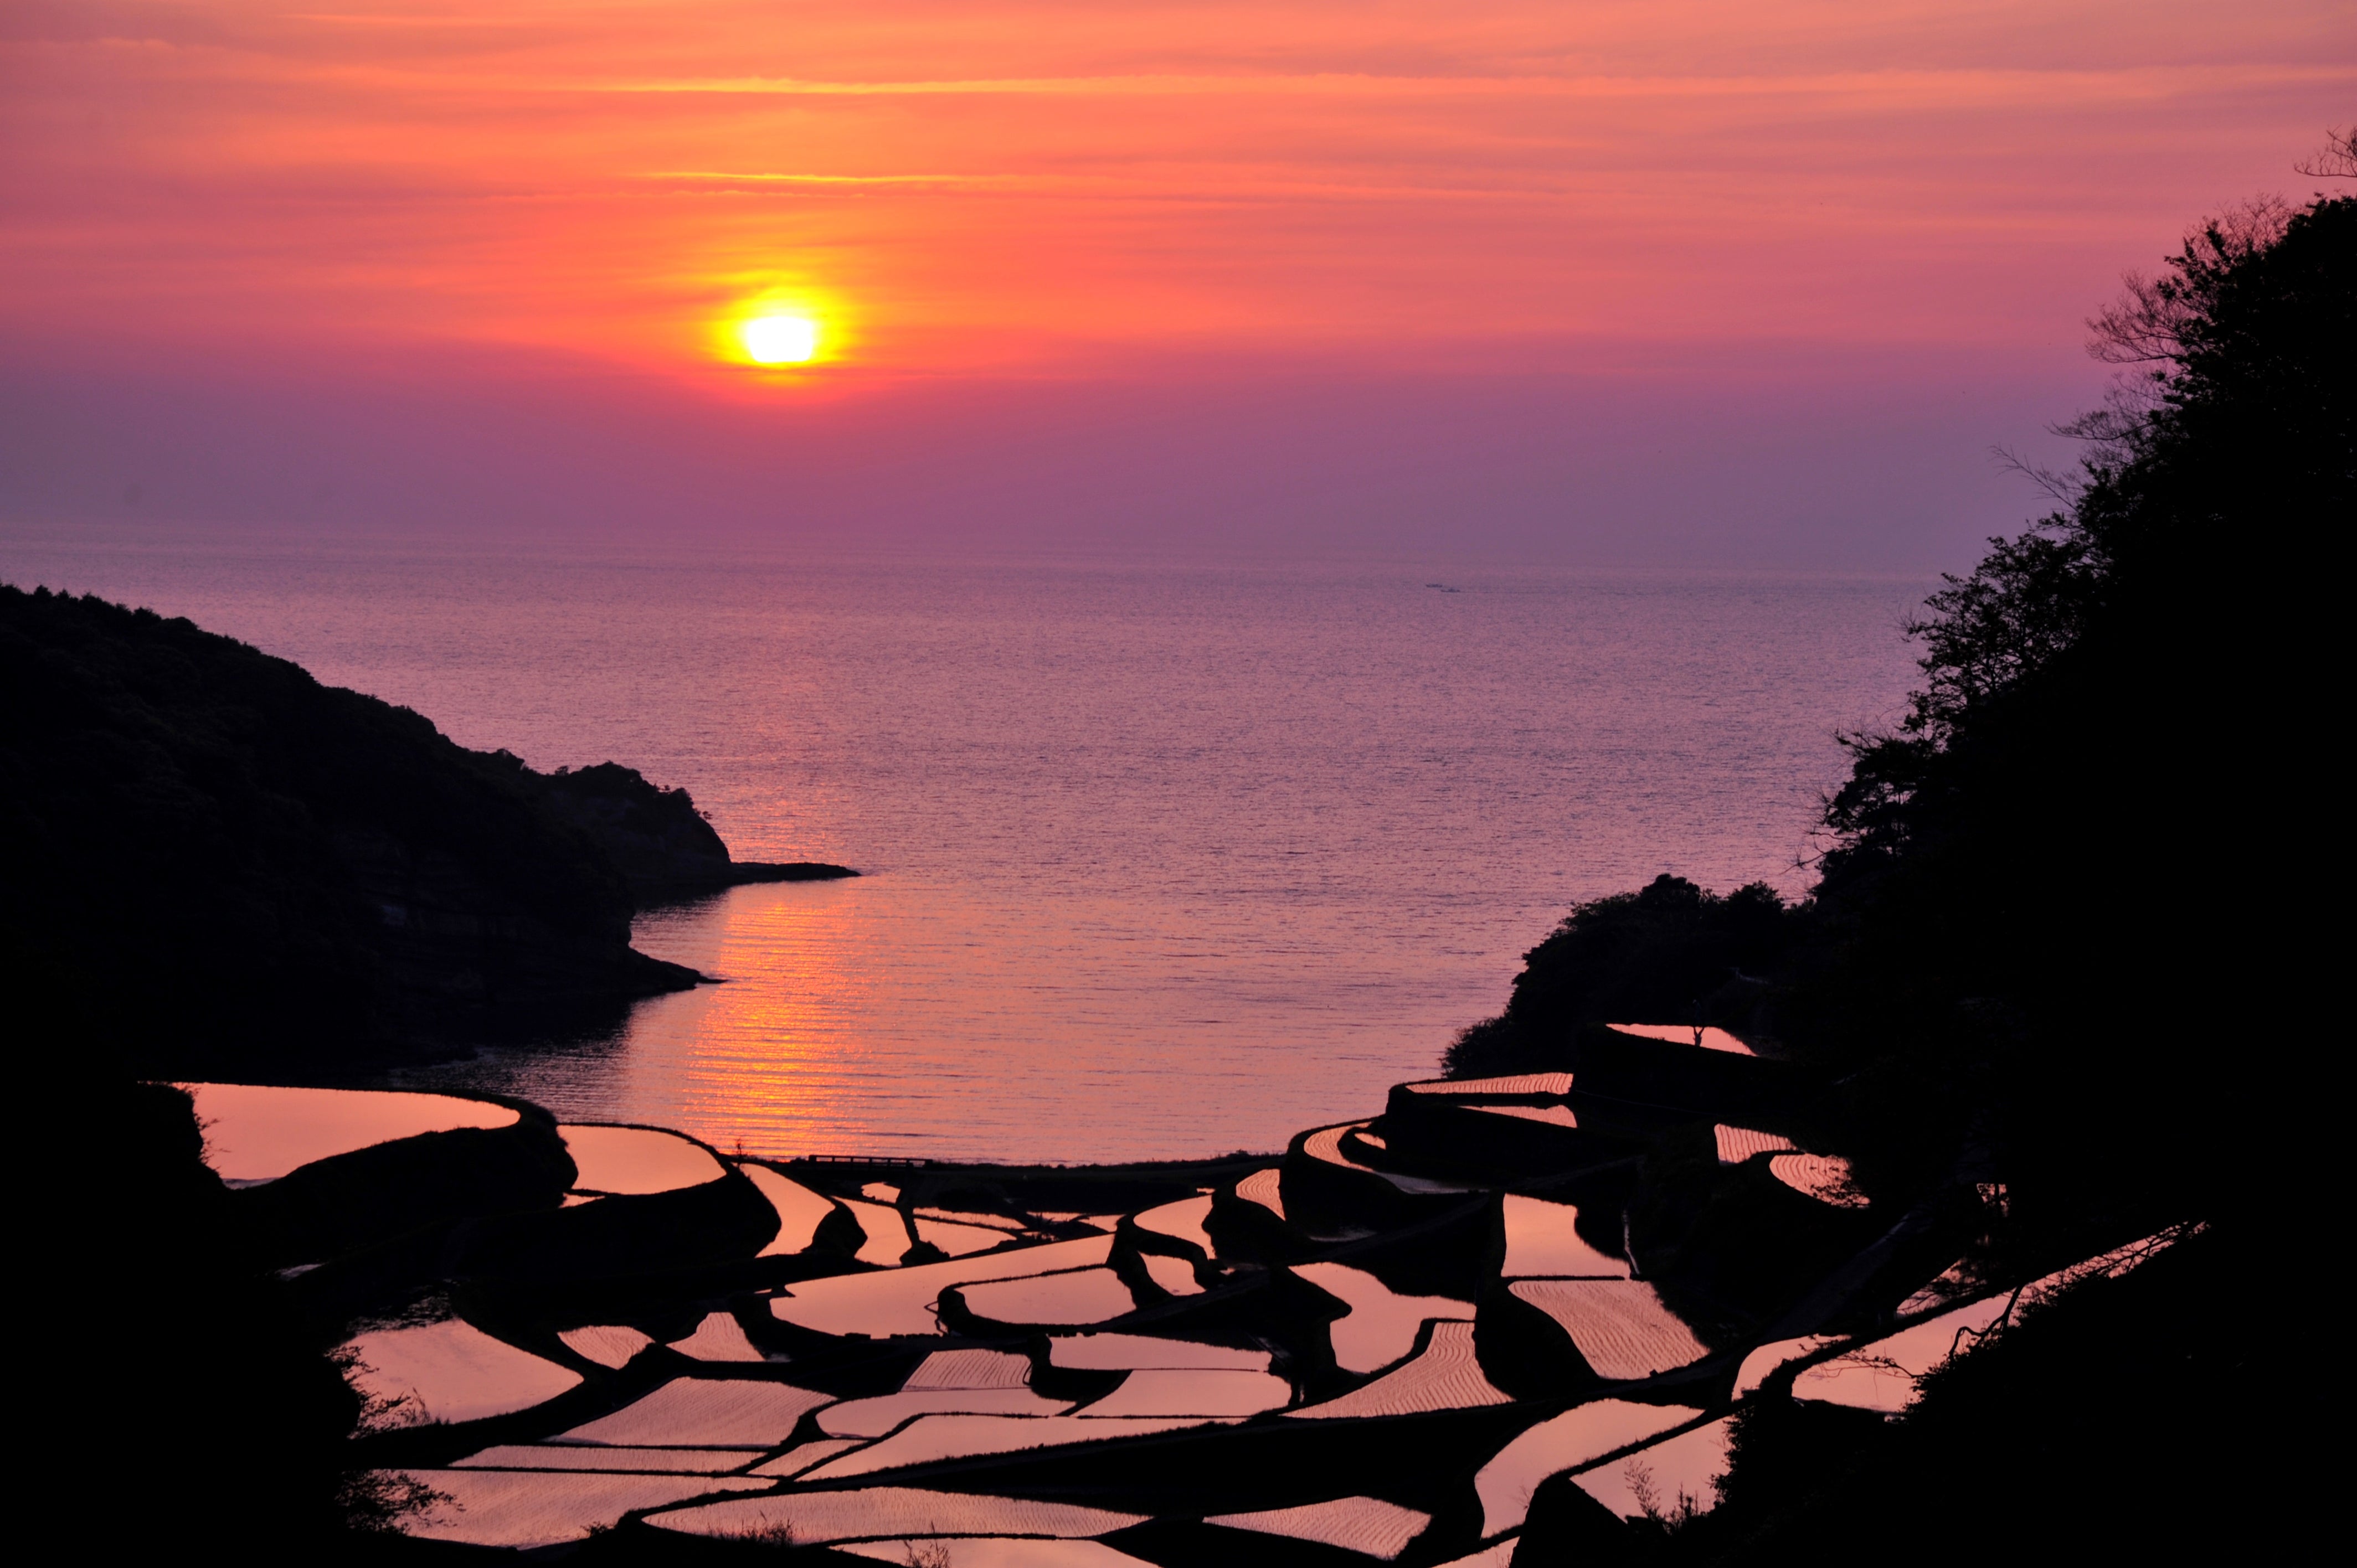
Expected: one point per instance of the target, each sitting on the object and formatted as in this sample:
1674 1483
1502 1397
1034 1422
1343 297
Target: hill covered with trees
218 863
2063 950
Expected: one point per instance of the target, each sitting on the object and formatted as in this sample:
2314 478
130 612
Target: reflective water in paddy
1163 860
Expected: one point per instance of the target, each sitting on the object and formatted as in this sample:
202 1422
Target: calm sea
1160 860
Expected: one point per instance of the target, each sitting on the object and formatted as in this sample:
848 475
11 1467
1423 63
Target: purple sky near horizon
1697 282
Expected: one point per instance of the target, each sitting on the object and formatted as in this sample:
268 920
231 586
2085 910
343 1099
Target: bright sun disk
781 340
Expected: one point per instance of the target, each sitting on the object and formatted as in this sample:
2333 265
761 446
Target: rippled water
1161 860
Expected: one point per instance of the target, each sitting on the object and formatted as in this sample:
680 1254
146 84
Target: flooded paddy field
1434 1336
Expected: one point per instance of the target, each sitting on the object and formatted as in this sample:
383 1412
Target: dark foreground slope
215 862
2058 958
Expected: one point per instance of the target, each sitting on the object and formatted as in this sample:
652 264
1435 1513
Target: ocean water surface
1159 860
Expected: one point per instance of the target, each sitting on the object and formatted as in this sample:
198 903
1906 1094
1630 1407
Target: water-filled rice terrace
1380 1346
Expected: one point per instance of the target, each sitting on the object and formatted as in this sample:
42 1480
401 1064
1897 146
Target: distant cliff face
210 857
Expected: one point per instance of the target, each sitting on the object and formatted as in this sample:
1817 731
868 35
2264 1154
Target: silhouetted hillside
1670 953
214 858
2061 962
655 836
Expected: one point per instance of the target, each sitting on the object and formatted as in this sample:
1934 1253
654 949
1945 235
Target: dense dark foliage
2063 940
215 860
2054 902
1670 953
179 1341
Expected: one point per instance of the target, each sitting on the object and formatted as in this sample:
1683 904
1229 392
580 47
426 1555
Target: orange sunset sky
1762 279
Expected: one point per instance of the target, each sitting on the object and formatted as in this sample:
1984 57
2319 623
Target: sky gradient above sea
1697 282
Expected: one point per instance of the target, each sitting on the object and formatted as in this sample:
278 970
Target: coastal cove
1157 860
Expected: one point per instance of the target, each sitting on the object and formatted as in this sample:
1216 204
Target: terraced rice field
1761 1363
1543 1238
1181 1221
527 1509
1326 1143
931 1438
621 1461
1288 1359
255 1133
1528 1083
867 1513
971 1369
1266 1189
1193 1391
1121 1352
1737 1145
450 1372
1674 1476
1553 1115
1381 1326
1685 1035
1368 1526
802 1456
607 1344
900 1300
719 1338
970 1217
1881 1375
1580 1436
994 1552
959 1240
1176 1276
1825 1178
1445 1376
703 1413
1083 1295
887 1230
1620 1326
636 1159
876 1416
799 1210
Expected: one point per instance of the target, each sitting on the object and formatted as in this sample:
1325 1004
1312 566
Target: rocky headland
218 863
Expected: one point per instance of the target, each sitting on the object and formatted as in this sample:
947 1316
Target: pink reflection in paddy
1120 1352
255 1133
1381 1326
636 1159
1368 1526
875 1417
936 1437
700 1412
887 1231
900 1300
524 1508
867 1512
1084 1296
719 1338
451 1371
1446 1376
1670 1474
994 1552
960 1241
620 1461
1181 1221
799 1210
607 1344
1194 1391
1543 1238
1622 1328
1576 1437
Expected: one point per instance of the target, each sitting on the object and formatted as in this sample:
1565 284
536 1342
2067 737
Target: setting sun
780 339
